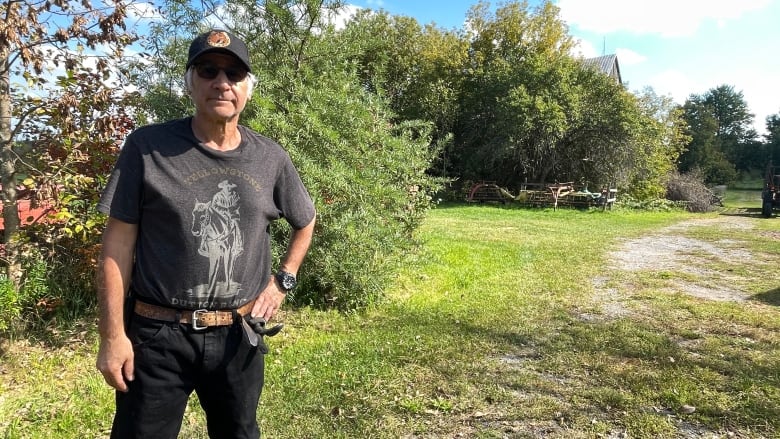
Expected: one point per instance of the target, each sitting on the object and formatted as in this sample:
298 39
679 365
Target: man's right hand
115 361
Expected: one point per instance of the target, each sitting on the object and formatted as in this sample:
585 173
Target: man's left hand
269 301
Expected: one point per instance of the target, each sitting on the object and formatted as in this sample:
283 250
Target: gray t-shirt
203 215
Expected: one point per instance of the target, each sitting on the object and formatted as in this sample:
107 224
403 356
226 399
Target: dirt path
714 269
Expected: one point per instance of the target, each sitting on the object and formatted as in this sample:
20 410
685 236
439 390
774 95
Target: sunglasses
210 71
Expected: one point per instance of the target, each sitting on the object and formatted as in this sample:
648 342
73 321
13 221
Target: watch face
287 281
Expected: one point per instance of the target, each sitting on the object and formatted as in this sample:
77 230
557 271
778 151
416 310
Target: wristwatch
286 281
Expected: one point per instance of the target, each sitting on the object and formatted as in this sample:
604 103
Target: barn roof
607 64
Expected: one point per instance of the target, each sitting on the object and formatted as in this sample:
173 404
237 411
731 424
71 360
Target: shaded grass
492 330
748 197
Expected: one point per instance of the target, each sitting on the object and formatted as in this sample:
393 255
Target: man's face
219 86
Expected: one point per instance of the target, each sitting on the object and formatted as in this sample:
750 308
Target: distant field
744 194
742 198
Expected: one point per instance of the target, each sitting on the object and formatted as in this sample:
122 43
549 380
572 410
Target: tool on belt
254 328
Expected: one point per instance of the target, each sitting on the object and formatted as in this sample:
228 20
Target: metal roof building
607 64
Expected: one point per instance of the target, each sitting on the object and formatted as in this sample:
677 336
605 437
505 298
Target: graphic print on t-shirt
216 223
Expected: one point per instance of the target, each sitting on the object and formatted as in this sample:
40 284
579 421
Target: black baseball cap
218 40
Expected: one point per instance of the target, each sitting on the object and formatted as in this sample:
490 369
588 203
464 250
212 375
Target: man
186 258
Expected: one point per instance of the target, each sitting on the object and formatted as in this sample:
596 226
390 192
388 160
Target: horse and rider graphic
216 223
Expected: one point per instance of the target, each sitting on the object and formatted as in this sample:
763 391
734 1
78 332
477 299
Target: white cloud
627 57
668 18
762 102
344 14
584 49
675 84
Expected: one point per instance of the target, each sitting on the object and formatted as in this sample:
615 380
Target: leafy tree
519 106
365 170
161 76
419 69
600 143
723 140
772 139
731 110
531 112
703 154
55 135
735 121
659 140
516 101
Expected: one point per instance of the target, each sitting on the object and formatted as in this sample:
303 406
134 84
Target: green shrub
17 305
70 278
57 283
367 176
10 309
627 201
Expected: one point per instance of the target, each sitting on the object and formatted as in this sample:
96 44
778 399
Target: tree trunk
8 194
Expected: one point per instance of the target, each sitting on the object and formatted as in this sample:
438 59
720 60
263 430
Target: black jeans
172 361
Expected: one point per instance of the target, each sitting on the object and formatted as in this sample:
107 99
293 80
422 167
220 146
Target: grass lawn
508 323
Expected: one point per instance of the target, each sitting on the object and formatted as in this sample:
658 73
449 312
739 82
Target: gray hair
250 78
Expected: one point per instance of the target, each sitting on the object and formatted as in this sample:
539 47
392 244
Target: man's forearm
111 297
300 240
114 271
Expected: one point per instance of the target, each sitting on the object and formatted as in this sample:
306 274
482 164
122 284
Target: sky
678 48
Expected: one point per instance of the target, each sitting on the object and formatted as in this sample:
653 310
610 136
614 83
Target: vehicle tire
766 209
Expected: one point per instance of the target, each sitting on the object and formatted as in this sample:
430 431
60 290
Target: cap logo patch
218 39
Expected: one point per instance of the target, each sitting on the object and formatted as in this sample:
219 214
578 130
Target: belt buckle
195 315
